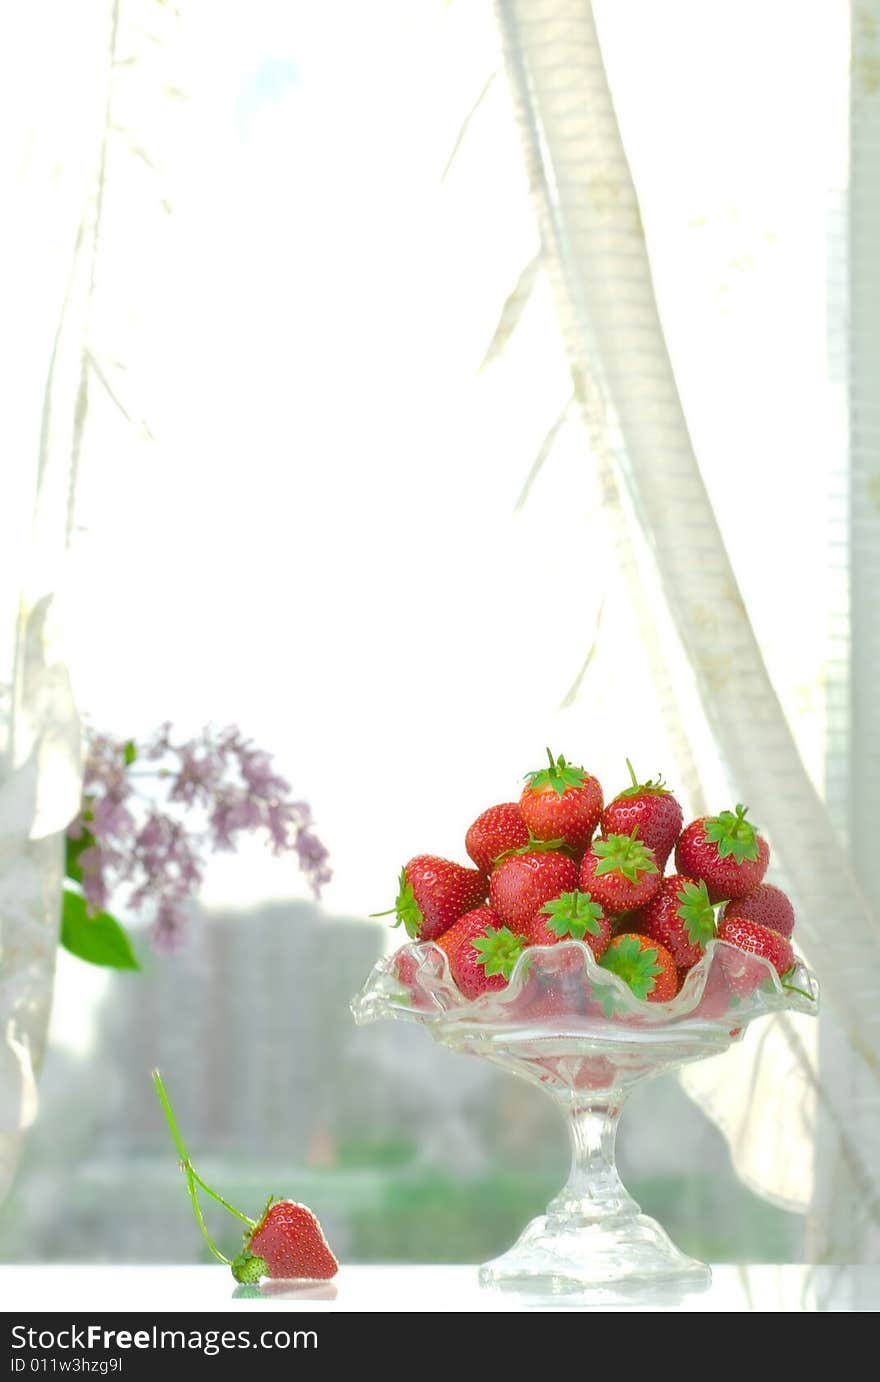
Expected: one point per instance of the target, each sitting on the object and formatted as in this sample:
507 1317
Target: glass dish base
620 1259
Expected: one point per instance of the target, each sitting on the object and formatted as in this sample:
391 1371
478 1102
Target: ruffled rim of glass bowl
563 985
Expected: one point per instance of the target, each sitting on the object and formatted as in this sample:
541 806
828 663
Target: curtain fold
595 252
50 154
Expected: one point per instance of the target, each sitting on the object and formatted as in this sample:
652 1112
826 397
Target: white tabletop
104 1289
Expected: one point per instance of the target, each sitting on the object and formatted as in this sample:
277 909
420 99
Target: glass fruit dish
578 1031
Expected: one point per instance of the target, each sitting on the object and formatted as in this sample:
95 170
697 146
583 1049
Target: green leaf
697 913
559 776
408 911
99 939
732 834
635 963
130 752
655 788
623 854
573 914
72 850
498 951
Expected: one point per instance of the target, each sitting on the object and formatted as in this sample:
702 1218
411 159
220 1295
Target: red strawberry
433 893
767 905
725 851
482 953
645 965
571 916
495 832
651 810
620 872
562 803
522 883
752 939
680 917
286 1242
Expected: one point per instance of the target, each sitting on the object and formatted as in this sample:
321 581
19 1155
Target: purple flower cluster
131 841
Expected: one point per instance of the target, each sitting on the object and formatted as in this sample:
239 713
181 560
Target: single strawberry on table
679 916
433 893
482 952
520 884
620 872
767 905
645 965
725 851
496 831
562 802
286 1242
571 916
651 810
752 939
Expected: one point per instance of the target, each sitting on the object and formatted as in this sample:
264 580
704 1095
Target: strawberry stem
635 780
192 1177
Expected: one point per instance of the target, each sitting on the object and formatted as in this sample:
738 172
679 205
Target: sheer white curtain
595 253
51 124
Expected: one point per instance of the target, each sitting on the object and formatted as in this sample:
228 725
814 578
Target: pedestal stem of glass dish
593 1191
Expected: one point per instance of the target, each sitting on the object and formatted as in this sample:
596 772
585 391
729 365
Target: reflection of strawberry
620 872
286 1242
680 916
522 883
752 939
725 851
433 893
497 830
651 810
768 906
645 965
481 952
562 802
572 916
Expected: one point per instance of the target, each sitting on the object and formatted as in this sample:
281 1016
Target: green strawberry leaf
560 775
697 913
406 909
638 789
498 950
637 966
624 854
532 846
732 834
573 914
409 913
99 939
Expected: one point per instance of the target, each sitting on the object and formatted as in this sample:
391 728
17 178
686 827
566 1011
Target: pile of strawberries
559 864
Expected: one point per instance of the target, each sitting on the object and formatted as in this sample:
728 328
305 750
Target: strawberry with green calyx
522 882
572 916
496 831
751 938
651 810
767 905
681 917
725 851
286 1242
620 872
645 965
562 802
432 894
481 951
